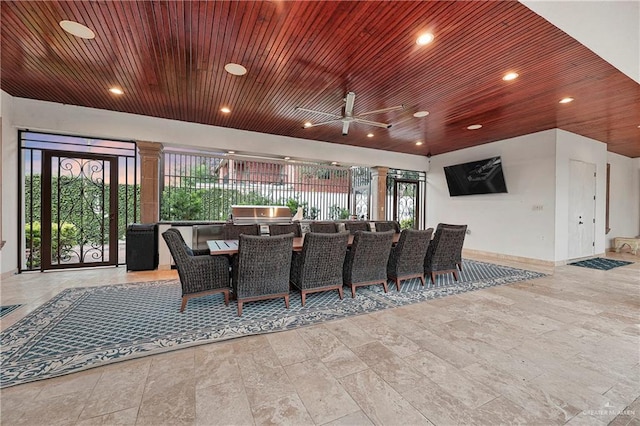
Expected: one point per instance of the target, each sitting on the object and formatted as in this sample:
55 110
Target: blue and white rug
82 328
601 263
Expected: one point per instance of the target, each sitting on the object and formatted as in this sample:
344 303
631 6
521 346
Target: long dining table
226 247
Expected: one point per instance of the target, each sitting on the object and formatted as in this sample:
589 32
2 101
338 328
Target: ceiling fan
348 116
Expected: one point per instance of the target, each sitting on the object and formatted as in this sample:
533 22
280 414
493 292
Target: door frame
46 206
416 213
592 206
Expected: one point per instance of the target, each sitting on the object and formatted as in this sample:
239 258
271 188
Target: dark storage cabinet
142 247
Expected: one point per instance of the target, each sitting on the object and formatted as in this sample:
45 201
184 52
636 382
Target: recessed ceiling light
419 143
77 29
369 135
231 152
225 110
116 91
425 38
420 114
566 100
333 163
474 127
235 69
287 158
510 76
308 124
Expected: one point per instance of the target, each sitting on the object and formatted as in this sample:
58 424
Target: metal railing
202 186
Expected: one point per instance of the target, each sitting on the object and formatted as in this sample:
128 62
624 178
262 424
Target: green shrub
66 240
406 223
181 204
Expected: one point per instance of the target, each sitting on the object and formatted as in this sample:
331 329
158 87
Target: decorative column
378 192
150 153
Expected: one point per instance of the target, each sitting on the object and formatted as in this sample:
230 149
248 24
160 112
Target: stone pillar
378 192
150 153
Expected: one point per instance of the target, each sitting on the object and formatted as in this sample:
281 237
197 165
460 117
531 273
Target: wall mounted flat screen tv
477 177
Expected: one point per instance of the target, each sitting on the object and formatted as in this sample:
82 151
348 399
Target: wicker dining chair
279 229
324 227
200 273
261 268
318 267
460 240
232 231
406 259
387 225
443 252
357 225
366 262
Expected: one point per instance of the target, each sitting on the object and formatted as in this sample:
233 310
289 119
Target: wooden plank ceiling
169 59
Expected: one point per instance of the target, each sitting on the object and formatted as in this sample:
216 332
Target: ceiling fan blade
372 123
348 109
321 123
318 112
345 128
377 111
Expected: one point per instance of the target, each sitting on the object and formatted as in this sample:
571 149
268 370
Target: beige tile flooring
559 349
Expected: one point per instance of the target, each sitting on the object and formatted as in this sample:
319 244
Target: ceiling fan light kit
348 116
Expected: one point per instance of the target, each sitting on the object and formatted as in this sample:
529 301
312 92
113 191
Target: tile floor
560 349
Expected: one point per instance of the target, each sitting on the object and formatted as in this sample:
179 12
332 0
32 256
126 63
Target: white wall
503 223
611 29
624 197
8 254
570 146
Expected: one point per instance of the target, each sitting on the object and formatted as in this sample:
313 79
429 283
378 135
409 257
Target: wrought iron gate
77 195
79 210
406 202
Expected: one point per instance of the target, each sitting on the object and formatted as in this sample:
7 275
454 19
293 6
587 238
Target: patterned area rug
82 328
7 309
601 263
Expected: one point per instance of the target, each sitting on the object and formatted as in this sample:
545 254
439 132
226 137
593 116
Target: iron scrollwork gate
79 210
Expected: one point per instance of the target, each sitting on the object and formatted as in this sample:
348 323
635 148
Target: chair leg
455 275
303 296
226 297
286 301
353 291
384 285
433 278
239 308
184 303
459 265
340 292
422 280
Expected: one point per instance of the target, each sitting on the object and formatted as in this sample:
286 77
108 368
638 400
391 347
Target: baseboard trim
526 260
8 274
502 256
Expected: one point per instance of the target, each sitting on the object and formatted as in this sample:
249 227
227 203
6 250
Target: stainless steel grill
242 215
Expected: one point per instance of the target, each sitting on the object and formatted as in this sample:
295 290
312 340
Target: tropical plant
336 212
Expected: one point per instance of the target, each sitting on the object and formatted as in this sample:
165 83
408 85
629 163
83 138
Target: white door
582 209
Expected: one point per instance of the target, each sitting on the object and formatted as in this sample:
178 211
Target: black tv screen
477 177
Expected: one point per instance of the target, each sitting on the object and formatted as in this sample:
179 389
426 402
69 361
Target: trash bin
142 247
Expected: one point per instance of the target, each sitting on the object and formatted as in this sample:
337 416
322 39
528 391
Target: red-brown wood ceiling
169 59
